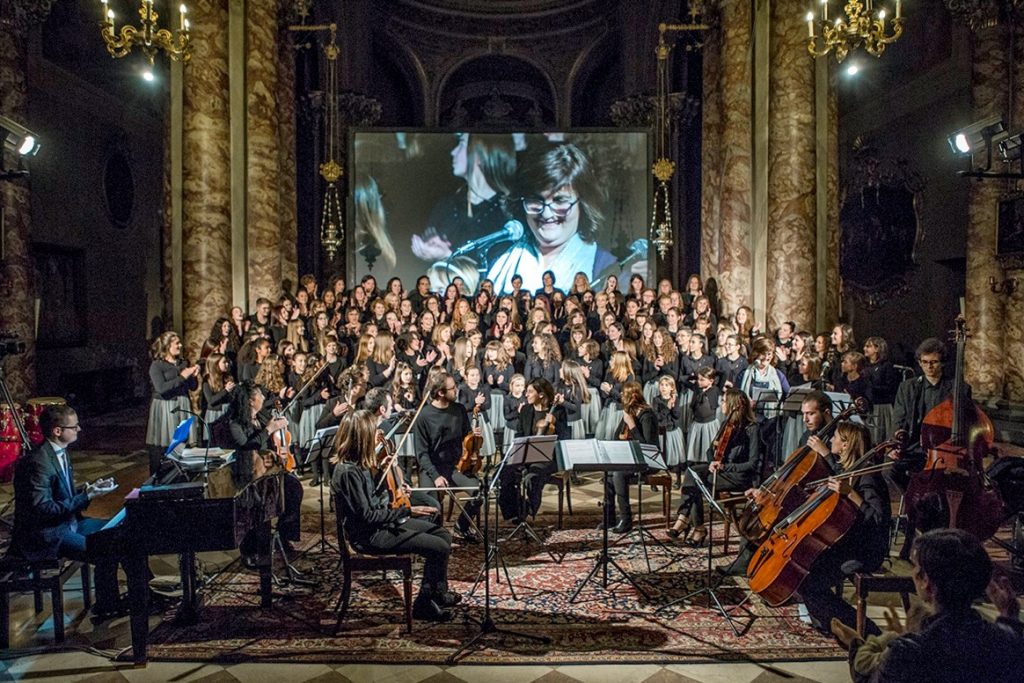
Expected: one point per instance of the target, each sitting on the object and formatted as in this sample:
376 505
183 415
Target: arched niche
497 92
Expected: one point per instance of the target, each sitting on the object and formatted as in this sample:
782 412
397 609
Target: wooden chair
664 480
864 584
730 514
563 482
352 561
17 576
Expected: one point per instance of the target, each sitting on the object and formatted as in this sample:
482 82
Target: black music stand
319 446
487 625
525 451
589 456
653 461
709 585
492 553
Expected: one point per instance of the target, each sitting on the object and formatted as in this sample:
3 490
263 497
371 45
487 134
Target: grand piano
186 519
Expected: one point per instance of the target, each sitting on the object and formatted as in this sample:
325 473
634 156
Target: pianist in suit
251 427
48 523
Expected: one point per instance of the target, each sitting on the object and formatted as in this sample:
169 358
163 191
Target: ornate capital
23 14
981 14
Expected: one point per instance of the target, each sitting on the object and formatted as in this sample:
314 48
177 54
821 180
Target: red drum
10 442
33 412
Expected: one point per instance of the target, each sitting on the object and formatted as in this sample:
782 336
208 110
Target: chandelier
859 24
149 38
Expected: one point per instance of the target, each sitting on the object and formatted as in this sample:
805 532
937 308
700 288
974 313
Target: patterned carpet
617 625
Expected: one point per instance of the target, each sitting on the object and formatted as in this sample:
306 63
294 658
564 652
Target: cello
956 435
785 558
782 492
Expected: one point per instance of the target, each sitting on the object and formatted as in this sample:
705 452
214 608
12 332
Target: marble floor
86 655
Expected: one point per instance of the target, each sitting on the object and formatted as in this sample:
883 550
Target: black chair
22 576
353 561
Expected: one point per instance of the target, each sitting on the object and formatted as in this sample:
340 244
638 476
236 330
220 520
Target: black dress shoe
469 535
448 599
428 610
625 525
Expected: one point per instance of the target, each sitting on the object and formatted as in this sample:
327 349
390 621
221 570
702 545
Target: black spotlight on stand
982 137
20 141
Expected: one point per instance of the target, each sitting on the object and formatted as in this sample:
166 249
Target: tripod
604 559
316 448
526 451
487 625
709 587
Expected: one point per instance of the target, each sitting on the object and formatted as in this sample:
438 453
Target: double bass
785 558
782 492
956 435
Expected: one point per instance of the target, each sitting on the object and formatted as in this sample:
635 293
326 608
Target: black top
491 374
884 380
667 417
730 370
365 509
914 398
529 417
439 433
646 430
167 380
705 404
689 366
743 454
215 399
572 403
535 368
512 405
596 368
467 397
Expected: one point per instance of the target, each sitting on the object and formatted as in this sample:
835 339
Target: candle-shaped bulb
110 14
824 10
881 15
810 24
183 9
899 6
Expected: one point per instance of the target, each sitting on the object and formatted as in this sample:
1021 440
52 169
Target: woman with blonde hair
381 363
371 222
462 358
572 392
218 385
638 423
620 371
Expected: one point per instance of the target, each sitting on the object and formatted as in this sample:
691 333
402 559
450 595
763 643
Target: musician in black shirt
639 423
372 526
440 429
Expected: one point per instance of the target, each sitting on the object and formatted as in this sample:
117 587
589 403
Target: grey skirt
577 430
591 411
611 416
702 434
685 412
496 415
673 448
212 415
880 422
650 391
162 421
307 423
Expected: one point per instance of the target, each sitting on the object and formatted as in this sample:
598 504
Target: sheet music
652 457
576 451
616 453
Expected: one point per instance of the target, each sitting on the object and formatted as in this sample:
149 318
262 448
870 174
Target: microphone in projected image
637 252
512 231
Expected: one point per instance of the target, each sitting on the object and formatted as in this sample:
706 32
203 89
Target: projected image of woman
561 197
371 222
486 164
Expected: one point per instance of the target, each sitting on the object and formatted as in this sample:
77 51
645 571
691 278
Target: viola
393 477
282 443
785 558
783 491
470 463
956 435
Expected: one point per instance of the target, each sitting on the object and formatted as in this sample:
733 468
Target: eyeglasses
930 362
559 207
74 427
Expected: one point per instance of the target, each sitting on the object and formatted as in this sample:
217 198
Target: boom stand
709 588
605 559
316 448
487 625
526 451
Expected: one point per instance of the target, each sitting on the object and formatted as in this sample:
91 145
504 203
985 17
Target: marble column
206 176
17 291
725 203
286 158
986 319
833 300
792 232
263 227
1014 315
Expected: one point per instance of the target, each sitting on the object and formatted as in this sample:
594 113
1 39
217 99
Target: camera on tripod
10 345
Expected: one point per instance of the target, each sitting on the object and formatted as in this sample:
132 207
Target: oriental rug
613 625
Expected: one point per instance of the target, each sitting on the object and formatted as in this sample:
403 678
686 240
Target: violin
956 435
393 477
282 442
783 491
470 463
785 558
724 436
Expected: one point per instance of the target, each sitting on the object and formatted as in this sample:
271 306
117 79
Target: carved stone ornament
637 111
986 13
23 14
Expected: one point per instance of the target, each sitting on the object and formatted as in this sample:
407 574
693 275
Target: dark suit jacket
46 508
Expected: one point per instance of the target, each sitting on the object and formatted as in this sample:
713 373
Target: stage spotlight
1010 149
978 136
18 138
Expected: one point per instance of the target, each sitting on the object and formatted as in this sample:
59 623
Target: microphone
512 231
637 250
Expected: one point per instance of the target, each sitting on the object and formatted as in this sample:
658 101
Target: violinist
440 429
374 527
379 402
251 427
542 413
639 423
735 465
914 399
863 547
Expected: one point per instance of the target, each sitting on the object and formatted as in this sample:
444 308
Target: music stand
653 461
492 552
709 587
525 451
589 455
319 446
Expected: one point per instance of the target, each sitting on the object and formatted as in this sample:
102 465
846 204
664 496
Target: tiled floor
35 659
